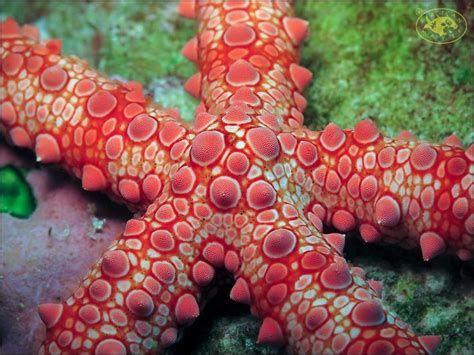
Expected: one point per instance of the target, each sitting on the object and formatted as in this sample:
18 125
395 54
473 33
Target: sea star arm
102 131
246 52
401 192
296 279
143 290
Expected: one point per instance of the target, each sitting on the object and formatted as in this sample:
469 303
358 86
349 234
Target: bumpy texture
247 188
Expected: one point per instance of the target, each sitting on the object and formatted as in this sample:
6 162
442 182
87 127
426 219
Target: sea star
249 189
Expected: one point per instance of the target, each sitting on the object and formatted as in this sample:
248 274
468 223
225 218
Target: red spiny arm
408 193
102 131
247 51
143 290
309 298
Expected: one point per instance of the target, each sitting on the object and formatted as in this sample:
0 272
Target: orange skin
246 188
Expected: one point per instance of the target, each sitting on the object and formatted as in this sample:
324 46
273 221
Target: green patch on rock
16 196
169 92
452 321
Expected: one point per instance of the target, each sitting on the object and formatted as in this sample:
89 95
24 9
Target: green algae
368 61
169 92
16 195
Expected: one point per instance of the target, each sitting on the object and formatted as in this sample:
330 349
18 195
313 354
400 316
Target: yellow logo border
441 8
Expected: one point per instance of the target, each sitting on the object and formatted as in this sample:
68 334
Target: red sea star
249 189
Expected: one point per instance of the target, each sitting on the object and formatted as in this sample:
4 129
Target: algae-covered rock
368 61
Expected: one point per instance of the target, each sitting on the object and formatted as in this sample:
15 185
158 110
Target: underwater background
367 60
